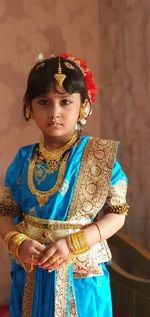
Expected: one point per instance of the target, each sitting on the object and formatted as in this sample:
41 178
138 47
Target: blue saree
87 293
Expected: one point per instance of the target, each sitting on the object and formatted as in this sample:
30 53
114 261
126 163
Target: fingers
55 255
58 265
39 247
48 254
52 262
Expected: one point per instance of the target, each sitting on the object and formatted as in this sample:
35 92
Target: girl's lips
54 124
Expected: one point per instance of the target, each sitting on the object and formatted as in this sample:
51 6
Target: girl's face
56 113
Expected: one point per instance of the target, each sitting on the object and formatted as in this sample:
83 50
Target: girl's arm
6 226
109 224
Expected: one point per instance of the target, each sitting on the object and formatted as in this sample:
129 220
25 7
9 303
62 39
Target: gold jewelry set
54 159
12 242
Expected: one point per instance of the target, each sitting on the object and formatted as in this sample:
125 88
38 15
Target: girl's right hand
28 248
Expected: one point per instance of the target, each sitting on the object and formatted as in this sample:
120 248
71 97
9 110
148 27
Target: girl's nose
53 114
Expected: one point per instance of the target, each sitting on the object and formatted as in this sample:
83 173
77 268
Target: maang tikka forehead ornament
88 76
60 77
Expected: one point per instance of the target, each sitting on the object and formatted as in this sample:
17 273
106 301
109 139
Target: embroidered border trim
61 292
28 294
93 180
8 206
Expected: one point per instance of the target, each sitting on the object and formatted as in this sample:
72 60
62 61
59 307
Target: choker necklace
60 158
54 157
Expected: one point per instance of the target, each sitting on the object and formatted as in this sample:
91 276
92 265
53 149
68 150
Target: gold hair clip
59 76
68 65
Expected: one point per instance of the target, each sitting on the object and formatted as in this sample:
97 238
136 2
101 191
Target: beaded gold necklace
43 196
53 158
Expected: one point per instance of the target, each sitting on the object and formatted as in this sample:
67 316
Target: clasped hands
49 257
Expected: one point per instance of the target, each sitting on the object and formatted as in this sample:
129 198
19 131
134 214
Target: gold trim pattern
93 180
8 206
28 294
116 199
116 209
73 309
61 292
50 224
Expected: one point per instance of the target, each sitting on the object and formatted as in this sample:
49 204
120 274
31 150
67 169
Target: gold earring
82 113
28 113
32 115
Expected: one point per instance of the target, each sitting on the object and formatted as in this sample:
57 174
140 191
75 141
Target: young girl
63 197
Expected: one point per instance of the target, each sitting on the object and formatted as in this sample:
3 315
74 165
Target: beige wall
27 28
125 100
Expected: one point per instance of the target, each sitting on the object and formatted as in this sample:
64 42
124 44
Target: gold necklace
54 157
43 196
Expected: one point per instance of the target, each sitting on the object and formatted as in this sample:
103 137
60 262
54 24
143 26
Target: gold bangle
68 239
8 237
77 242
19 243
12 241
15 243
97 226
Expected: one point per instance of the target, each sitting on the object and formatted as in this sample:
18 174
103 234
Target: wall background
125 100
114 37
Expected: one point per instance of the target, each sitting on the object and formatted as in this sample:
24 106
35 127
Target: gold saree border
61 292
73 308
93 180
28 294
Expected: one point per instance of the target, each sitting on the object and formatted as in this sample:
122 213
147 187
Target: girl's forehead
57 92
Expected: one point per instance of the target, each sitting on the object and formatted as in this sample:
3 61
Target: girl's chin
58 134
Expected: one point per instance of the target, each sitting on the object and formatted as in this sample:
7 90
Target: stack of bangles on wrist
77 241
12 241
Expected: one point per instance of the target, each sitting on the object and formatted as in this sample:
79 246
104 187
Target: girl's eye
66 102
44 102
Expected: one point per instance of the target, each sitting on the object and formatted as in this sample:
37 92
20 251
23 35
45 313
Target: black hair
41 79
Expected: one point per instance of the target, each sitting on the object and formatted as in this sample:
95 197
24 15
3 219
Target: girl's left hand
55 255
